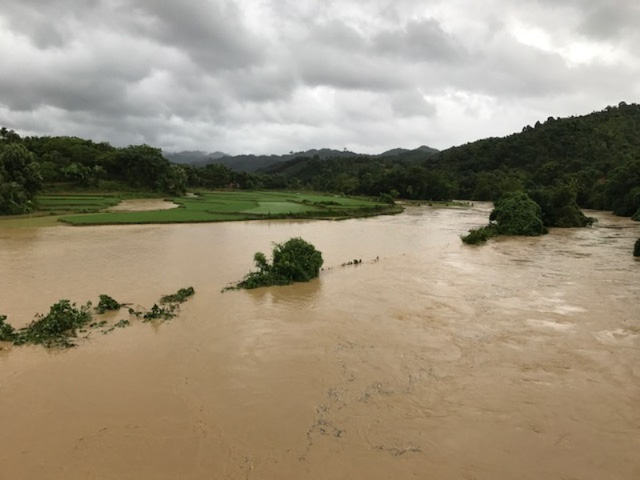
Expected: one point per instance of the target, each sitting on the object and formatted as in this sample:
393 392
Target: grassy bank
222 206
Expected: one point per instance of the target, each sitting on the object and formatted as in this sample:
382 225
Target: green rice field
219 207
76 203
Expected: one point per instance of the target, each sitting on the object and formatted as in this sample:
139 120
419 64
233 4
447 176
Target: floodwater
519 359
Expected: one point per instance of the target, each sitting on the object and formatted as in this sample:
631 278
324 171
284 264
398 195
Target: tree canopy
295 260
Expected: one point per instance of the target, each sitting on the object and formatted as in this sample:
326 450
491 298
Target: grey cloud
351 72
613 19
424 41
211 33
411 103
238 75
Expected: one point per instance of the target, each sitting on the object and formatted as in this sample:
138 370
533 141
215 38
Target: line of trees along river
591 161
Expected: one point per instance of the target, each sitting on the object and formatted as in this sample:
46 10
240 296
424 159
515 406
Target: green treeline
590 161
594 159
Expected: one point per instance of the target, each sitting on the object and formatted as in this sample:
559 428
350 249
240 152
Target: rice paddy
217 207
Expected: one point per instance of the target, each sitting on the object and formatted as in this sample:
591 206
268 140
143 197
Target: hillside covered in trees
590 161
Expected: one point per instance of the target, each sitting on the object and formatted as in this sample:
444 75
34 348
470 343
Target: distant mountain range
254 163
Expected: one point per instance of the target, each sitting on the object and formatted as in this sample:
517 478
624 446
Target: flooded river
519 359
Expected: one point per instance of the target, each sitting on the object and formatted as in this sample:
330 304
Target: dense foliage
107 304
595 157
591 161
292 261
20 176
61 325
56 328
7 332
514 214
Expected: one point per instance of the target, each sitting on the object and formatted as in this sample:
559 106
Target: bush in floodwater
180 296
7 332
57 327
479 235
517 214
514 214
293 261
636 249
107 304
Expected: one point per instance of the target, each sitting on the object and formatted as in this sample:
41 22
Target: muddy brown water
516 360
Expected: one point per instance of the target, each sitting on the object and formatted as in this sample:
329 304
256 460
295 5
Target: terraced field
228 206
78 203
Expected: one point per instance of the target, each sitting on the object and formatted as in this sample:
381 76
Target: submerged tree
293 261
514 214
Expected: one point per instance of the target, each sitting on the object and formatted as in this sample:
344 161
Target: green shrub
293 261
180 296
107 304
7 332
516 214
636 249
386 198
57 327
480 235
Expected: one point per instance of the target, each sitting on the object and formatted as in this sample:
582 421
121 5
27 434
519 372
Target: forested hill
257 163
592 161
596 155
251 163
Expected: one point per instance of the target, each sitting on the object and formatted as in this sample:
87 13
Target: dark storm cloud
424 41
241 75
612 20
212 33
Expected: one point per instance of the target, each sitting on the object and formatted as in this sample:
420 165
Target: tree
174 181
293 261
516 214
20 179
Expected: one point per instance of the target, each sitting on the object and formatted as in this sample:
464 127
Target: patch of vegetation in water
636 249
480 235
107 304
514 214
7 332
65 320
58 327
295 260
180 296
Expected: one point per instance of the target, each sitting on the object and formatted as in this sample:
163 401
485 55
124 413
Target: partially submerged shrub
636 249
180 296
7 332
480 235
516 214
65 320
107 304
293 261
159 313
56 328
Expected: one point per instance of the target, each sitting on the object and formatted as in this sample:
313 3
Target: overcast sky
271 76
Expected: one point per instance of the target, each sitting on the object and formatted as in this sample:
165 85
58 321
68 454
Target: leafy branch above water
65 320
292 261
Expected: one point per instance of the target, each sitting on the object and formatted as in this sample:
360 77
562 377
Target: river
519 359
